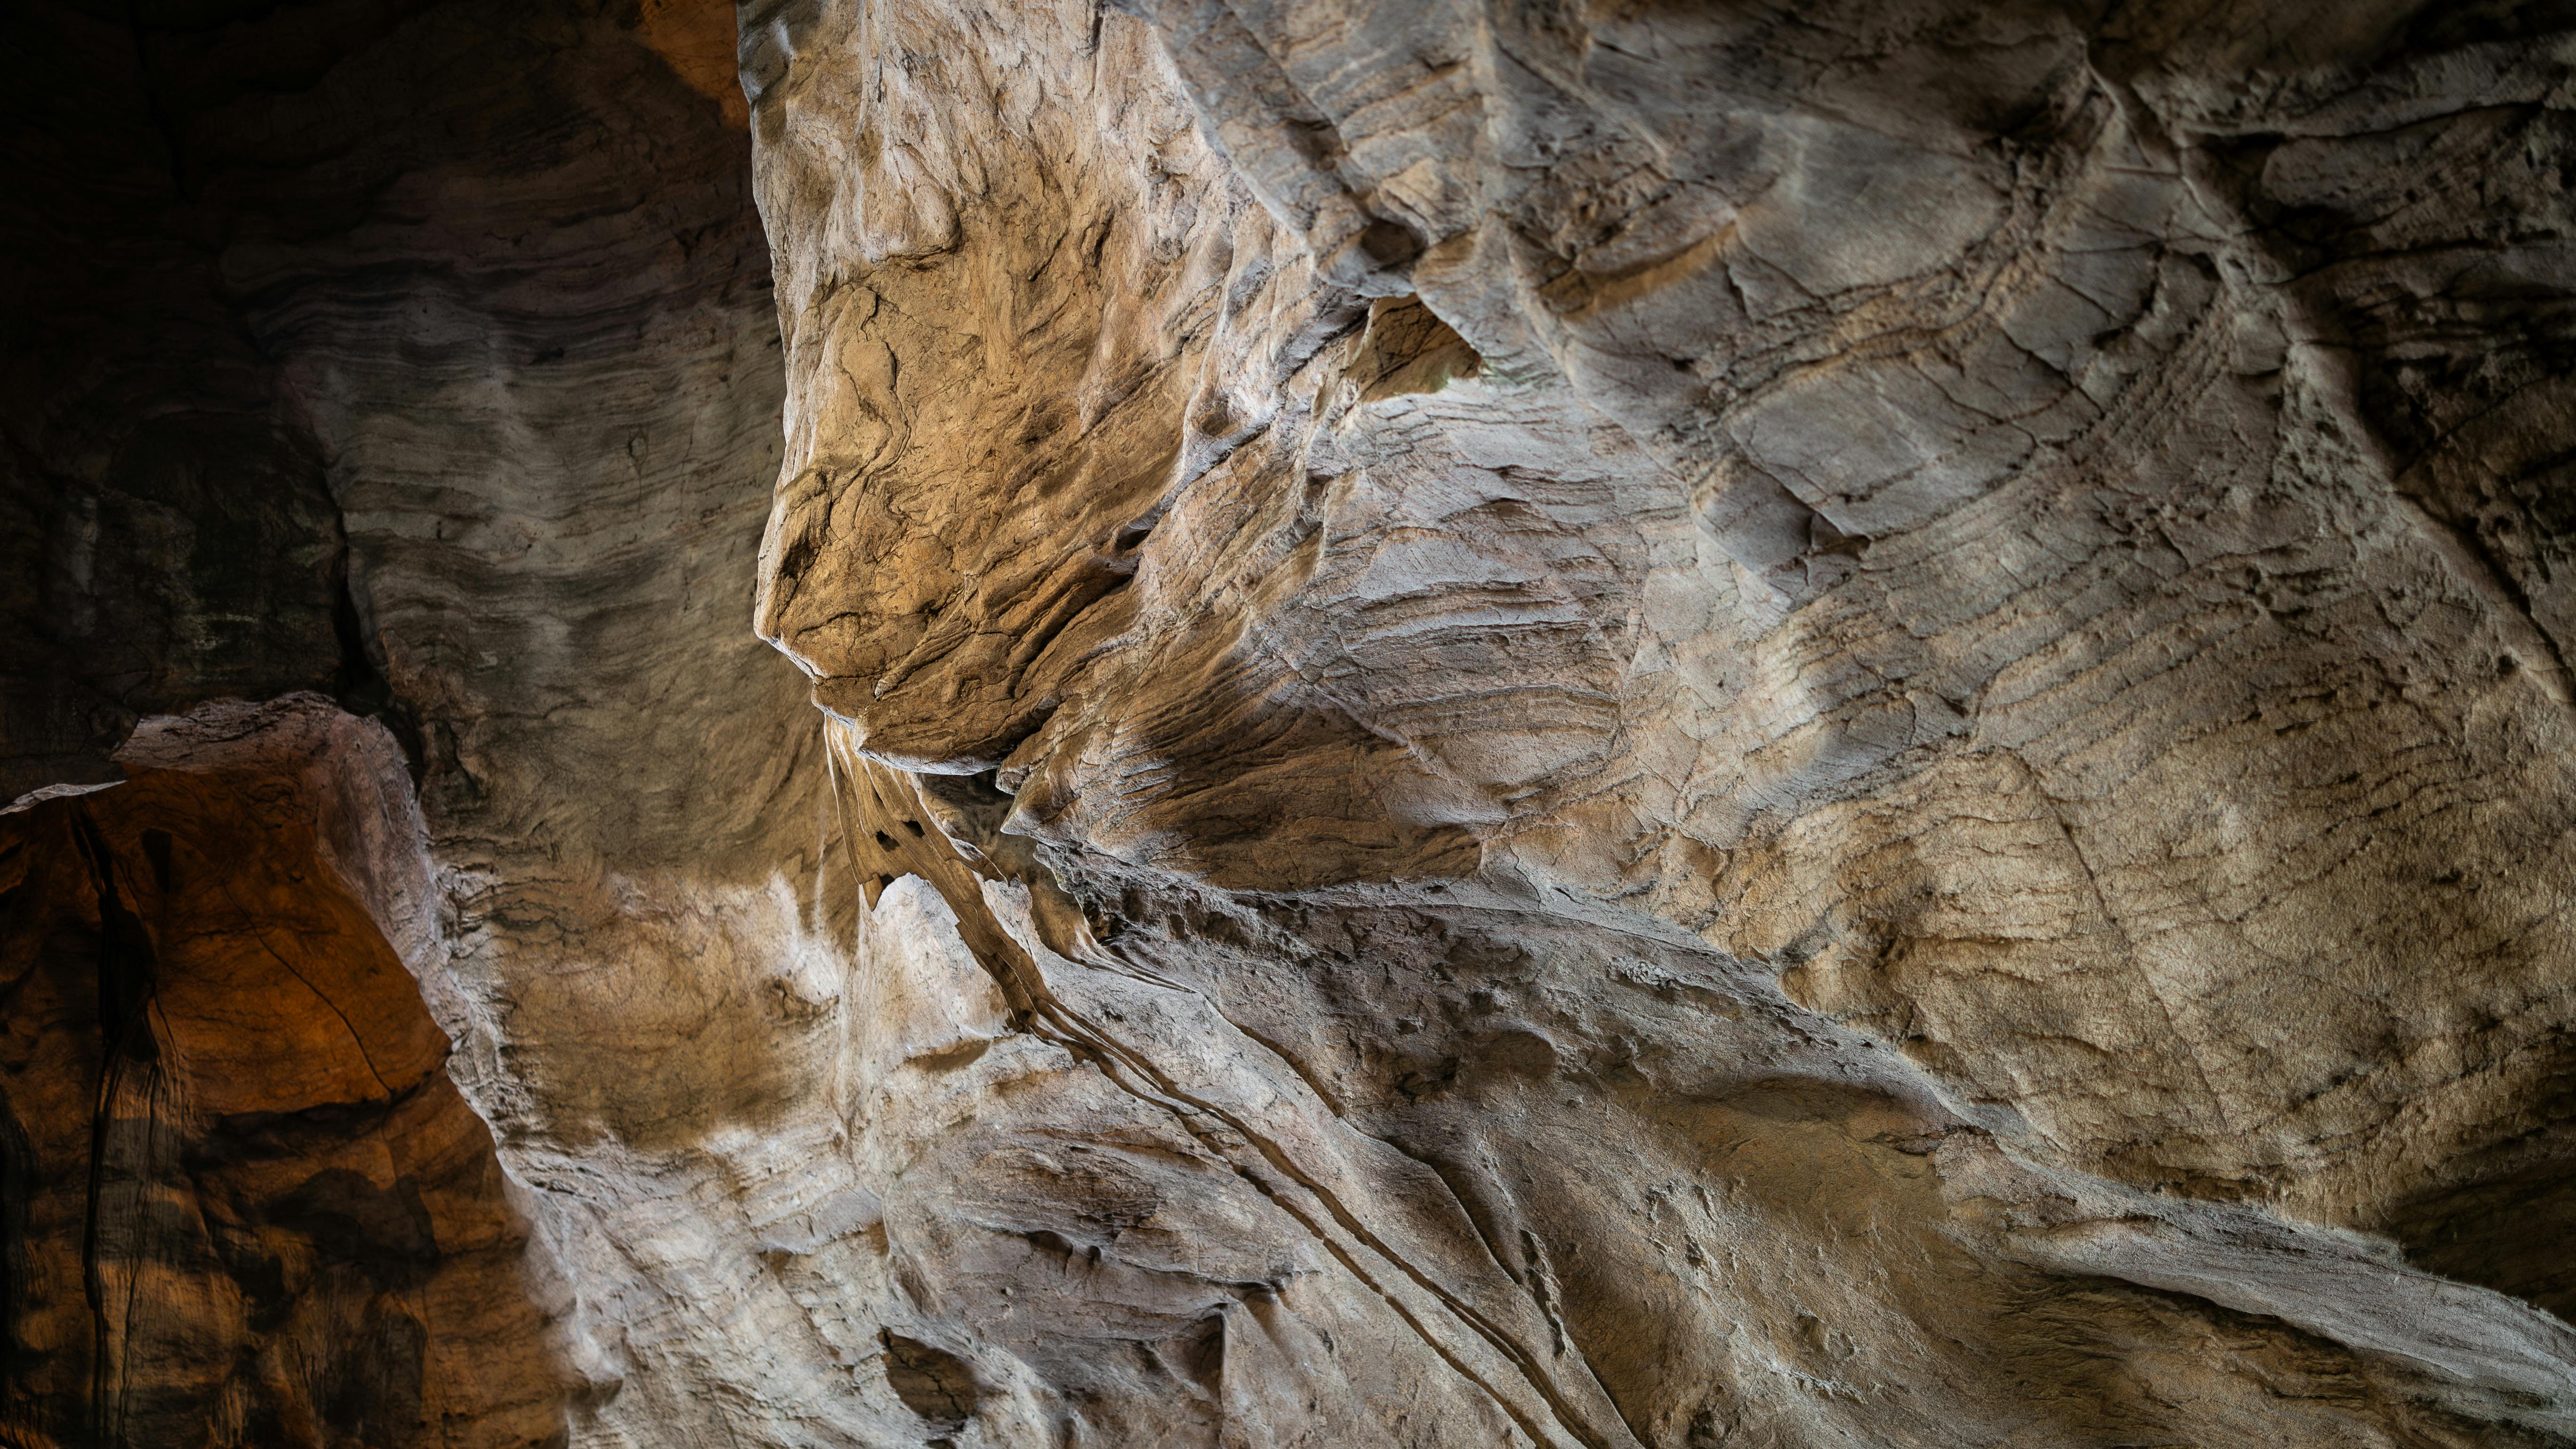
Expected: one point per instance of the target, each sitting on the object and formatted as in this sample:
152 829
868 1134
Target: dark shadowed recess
168 532
240 1200
2510 1222
169 536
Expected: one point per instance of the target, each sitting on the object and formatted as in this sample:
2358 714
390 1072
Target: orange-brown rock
247 1205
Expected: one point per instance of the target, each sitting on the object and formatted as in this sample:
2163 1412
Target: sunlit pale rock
1736 726
1799 725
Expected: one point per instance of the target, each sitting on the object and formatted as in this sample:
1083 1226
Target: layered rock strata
1769 725
245 1205
1631 726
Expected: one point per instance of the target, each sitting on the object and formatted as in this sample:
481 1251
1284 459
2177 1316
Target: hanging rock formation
1626 727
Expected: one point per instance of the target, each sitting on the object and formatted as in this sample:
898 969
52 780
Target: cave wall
1625 725
245 1204
1797 725
170 534
414 362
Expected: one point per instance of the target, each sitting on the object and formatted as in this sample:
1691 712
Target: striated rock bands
1791 725
488 276
1624 727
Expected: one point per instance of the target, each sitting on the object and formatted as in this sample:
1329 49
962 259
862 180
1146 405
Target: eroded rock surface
1736 724
245 1204
1638 725
419 355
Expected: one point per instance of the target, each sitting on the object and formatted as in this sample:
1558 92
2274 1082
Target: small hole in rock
935 1384
1389 244
156 848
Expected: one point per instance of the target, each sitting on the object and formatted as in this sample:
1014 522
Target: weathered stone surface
1641 725
1802 725
245 1204
492 274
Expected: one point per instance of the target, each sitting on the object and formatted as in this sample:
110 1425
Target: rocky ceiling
1618 726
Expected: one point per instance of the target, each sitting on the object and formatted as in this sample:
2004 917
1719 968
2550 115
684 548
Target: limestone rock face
1704 725
1636 726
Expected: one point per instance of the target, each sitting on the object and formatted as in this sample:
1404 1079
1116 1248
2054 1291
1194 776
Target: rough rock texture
244 1204
169 534
420 354
1698 725
1632 725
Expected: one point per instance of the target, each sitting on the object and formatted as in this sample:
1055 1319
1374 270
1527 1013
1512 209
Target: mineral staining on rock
246 1204
487 275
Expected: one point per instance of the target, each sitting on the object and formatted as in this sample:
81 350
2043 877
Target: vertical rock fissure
126 977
